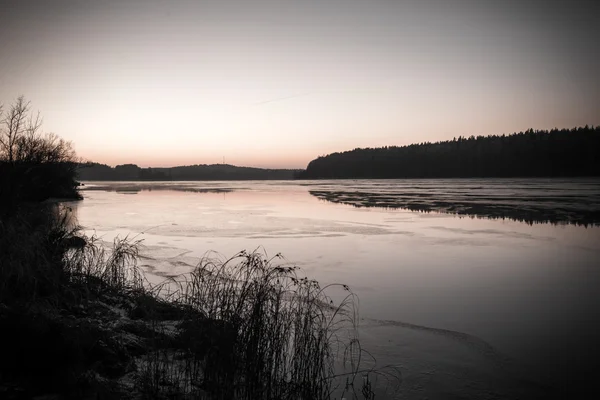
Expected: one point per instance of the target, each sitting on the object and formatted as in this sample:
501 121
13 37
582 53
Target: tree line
131 172
533 153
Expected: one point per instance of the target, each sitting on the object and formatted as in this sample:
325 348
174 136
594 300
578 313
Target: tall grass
112 267
44 253
246 327
281 328
31 250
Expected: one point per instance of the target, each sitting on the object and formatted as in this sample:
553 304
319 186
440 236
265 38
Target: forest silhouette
539 153
91 171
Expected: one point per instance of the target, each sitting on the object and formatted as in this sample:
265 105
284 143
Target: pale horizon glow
275 84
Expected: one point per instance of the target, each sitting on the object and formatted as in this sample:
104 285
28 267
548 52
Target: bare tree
13 127
21 139
34 165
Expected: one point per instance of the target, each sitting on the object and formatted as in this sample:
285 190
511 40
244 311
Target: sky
278 83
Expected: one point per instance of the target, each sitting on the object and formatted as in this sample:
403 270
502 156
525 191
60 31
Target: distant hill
131 172
564 152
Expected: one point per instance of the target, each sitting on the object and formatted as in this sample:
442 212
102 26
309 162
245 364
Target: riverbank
84 322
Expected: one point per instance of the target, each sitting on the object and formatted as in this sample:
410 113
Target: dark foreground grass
81 321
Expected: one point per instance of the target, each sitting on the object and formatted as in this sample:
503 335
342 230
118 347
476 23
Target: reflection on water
494 303
557 202
136 187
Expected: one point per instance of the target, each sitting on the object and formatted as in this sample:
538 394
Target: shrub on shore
34 166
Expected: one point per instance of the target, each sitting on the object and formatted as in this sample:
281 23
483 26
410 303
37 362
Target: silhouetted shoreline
555 153
214 172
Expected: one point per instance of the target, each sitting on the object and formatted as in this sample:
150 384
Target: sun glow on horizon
266 85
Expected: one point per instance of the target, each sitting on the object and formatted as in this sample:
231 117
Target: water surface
473 303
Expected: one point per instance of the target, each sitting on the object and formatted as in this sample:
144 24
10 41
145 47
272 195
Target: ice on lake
489 291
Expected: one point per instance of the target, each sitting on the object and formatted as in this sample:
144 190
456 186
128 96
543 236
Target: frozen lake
496 297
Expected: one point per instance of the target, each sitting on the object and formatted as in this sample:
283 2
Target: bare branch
34 125
14 127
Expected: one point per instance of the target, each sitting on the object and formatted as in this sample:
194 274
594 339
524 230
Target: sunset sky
278 83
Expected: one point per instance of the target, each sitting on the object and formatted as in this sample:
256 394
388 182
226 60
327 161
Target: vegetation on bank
554 153
81 321
215 172
34 166
84 322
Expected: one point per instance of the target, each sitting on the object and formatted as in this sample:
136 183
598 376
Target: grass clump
274 331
